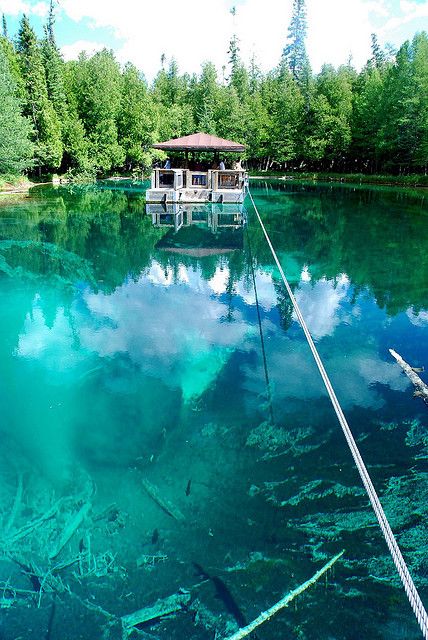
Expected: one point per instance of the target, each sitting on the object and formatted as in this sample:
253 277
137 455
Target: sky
194 31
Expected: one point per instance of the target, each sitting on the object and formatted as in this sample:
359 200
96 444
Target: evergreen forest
90 116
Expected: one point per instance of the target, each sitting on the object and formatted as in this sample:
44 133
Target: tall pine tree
16 149
294 55
239 79
137 120
37 106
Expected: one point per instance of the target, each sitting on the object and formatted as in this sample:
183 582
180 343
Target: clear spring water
135 413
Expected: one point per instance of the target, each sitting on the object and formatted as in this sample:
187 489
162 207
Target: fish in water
224 594
189 484
155 536
29 572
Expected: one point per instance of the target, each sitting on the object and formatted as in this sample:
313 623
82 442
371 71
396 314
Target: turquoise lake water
164 426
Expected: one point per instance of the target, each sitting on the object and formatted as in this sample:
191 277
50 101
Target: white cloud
172 333
305 276
356 378
320 305
17 7
14 7
218 282
71 51
40 9
410 11
338 29
193 31
266 294
419 319
170 330
197 30
53 344
158 275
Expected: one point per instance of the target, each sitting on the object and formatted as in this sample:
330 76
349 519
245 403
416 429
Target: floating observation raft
191 180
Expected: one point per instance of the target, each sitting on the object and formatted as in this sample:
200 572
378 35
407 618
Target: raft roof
199 142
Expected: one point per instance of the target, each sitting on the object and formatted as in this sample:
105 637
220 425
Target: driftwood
284 602
162 607
16 504
162 502
71 527
31 526
421 387
151 560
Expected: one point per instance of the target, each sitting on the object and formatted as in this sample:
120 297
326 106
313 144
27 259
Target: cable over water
406 579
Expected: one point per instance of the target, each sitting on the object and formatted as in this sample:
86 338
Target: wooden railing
213 179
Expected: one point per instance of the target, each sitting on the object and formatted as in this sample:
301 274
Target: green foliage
137 120
329 132
97 85
294 55
16 149
37 106
54 70
284 102
90 116
12 59
205 95
367 117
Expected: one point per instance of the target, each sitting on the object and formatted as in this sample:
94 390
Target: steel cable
409 586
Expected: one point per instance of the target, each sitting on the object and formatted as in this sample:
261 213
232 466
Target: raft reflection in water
199 230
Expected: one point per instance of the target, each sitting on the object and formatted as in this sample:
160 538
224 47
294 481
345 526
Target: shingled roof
199 142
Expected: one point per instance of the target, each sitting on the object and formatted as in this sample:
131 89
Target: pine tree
16 149
14 68
378 58
238 75
398 135
4 23
137 120
233 50
169 88
96 84
367 118
50 23
286 109
54 71
204 99
420 80
37 106
294 55
254 75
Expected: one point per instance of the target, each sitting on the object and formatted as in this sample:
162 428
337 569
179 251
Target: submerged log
162 607
421 387
16 504
72 525
31 526
284 602
161 501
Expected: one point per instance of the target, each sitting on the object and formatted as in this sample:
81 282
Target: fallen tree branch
161 608
162 502
71 527
421 387
284 602
16 504
31 526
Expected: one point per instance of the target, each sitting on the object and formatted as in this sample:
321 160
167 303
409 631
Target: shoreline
349 179
10 189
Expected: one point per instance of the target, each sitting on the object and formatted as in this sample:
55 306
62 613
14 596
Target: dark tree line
90 116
